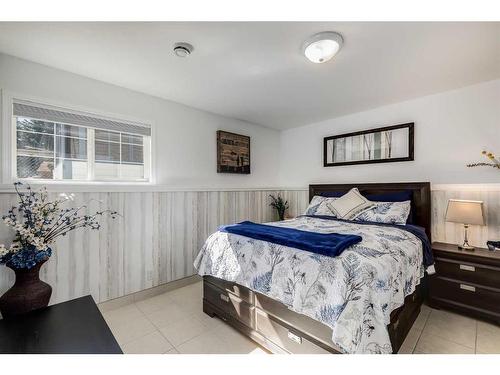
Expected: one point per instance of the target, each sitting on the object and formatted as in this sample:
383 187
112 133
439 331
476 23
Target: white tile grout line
449 341
162 335
211 329
475 342
422 331
144 335
158 329
425 324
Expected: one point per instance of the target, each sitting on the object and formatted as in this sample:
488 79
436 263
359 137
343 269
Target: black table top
72 327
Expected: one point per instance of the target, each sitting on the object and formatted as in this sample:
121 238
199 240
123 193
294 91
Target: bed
317 304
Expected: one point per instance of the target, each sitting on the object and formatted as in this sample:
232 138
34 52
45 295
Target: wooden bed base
280 330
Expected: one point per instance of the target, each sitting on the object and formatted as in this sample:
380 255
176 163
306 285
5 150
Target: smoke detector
182 49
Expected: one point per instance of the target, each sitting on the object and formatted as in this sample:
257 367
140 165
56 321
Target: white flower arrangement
38 222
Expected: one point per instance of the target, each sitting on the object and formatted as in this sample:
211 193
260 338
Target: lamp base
466 246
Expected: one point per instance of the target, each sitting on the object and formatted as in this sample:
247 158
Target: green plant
279 204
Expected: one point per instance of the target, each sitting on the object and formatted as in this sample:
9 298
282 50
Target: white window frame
8 145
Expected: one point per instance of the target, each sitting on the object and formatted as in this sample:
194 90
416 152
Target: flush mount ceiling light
323 46
182 49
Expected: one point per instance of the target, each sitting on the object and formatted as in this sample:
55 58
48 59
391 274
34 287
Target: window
52 144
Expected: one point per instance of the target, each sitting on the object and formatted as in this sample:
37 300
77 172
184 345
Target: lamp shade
465 212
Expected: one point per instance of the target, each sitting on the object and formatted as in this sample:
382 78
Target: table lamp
466 213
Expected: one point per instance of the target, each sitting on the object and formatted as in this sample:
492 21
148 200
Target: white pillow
314 205
387 212
319 206
350 205
324 209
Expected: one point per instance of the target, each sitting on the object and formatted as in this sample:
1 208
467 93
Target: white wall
185 137
451 128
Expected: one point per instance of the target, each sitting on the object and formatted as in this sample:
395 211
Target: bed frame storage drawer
402 317
284 336
243 293
470 272
230 304
307 325
279 329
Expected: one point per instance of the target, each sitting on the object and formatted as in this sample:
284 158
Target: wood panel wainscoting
159 233
453 233
153 242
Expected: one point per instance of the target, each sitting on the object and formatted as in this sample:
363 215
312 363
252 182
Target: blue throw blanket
329 244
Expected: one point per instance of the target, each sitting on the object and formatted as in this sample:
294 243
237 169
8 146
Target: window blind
54 114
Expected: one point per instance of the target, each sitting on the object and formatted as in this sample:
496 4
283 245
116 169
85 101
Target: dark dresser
466 281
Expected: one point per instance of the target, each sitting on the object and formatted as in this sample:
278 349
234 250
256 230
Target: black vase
281 214
27 294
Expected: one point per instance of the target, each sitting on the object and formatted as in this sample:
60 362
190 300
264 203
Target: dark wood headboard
421 196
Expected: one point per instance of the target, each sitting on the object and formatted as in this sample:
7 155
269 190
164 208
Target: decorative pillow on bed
387 212
397 196
350 205
319 206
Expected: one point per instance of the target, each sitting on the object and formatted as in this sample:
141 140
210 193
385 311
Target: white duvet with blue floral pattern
353 293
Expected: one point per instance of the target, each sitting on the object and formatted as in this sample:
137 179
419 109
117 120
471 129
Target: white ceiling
255 71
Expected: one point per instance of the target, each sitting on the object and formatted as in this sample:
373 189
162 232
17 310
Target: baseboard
147 293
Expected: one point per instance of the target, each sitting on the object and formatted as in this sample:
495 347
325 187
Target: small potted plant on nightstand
280 205
37 223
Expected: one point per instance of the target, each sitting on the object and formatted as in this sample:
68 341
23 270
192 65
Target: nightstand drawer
470 272
465 293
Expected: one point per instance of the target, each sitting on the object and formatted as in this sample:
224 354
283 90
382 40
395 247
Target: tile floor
444 332
174 323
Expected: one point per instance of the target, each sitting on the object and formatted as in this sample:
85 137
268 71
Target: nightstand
466 281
